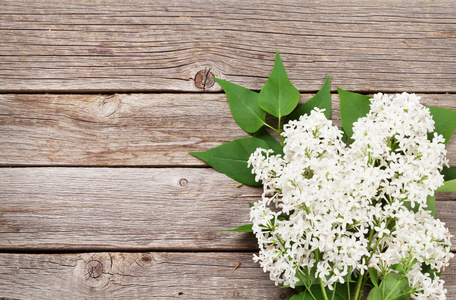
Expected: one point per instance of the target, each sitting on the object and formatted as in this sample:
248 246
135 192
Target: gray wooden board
128 129
144 275
162 45
135 276
84 209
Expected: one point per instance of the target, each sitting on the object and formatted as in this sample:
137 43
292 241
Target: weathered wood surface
144 276
128 130
144 209
109 208
58 197
135 276
162 45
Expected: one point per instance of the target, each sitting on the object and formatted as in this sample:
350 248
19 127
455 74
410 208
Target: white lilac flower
322 199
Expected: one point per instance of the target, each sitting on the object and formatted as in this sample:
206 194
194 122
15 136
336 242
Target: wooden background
100 101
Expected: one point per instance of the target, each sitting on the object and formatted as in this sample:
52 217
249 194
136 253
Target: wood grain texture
106 45
145 209
59 197
129 208
135 276
128 129
144 276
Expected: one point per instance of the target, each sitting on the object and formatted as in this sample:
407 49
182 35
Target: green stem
376 244
281 139
400 295
323 291
358 287
334 291
307 287
270 127
310 292
373 250
371 235
278 131
348 283
395 286
360 278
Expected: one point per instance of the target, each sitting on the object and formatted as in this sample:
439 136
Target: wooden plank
135 276
127 129
144 276
162 45
134 209
139 129
110 208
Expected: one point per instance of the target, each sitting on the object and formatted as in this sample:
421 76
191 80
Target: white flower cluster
332 211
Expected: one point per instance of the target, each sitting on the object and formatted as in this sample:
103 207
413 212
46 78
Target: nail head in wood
183 182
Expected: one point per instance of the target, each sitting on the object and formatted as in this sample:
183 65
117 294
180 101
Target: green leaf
375 294
278 96
352 107
340 291
201 155
315 290
306 278
373 276
282 217
242 228
448 173
398 268
448 186
231 158
304 295
244 106
250 204
425 268
345 137
430 201
393 286
268 138
322 100
445 122
302 279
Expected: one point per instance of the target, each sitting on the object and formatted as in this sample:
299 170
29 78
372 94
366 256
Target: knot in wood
108 105
146 258
94 269
183 182
204 79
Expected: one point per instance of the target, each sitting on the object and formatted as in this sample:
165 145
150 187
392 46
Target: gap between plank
8 166
122 250
146 91
126 250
